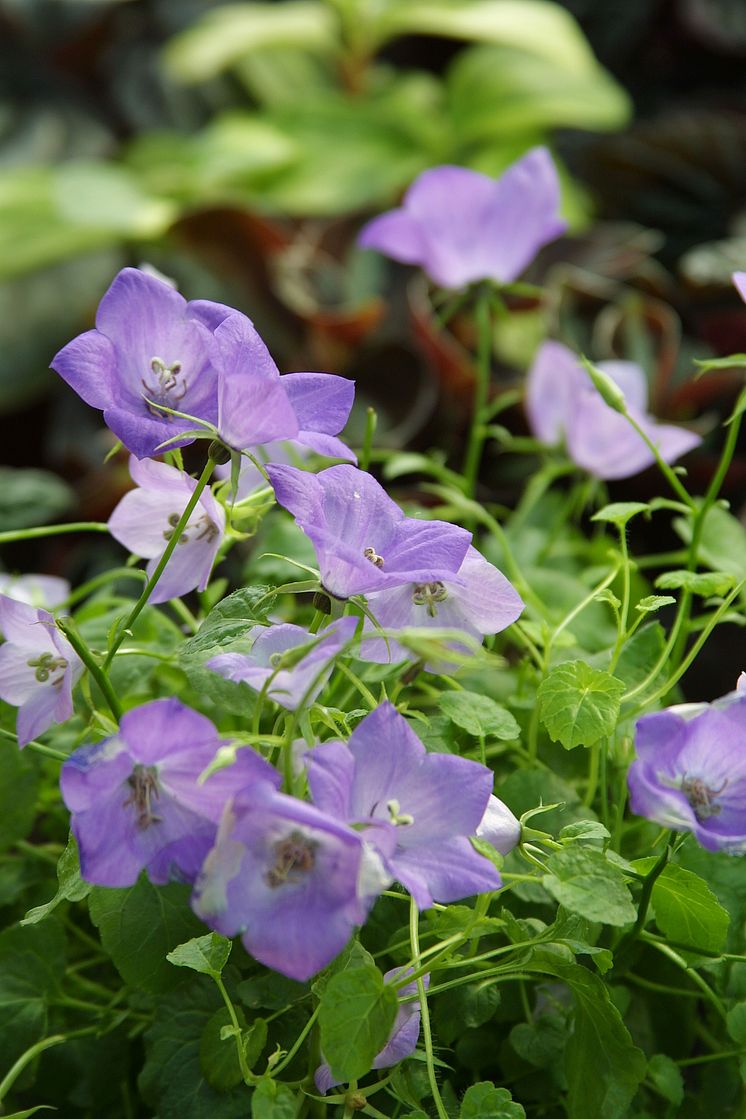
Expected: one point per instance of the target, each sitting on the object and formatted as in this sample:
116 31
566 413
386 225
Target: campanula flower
38 668
293 881
499 826
35 590
426 805
690 771
145 519
562 403
363 540
137 801
461 226
286 686
739 279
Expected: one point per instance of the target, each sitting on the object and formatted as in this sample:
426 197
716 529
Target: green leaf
686 909
705 583
272 1100
666 1076
485 1101
723 541
620 512
578 704
585 882
479 715
19 787
139 926
469 1006
32 963
270 991
31 497
585 829
640 653
540 1042
70 886
736 1023
206 954
654 602
218 1057
30 1111
356 1016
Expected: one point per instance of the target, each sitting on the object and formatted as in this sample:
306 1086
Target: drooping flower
562 403
404 1033
690 771
499 826
137 801
426 805
290 879
35 590
461 226
478 600
363 540
38 668
287 686
145 519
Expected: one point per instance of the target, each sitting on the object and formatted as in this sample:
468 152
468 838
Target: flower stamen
295 856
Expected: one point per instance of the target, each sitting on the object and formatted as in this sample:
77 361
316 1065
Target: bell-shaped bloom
304 678
145 518
478 600
290 879
562 403
363 540
38 668
461 226
35 590
137 800
690 771
404 1034
499 827
426 805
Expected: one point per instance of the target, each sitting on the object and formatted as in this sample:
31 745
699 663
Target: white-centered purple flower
263 665
363 540
562 403
461 226
137 801
404 1033
47 591
419 809
690 771
293 881
38 668
478 600
145 519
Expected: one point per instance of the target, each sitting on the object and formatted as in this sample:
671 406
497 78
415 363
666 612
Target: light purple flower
690 771
145 518
385 781
739 279
35 590
562 402
499 826
290 879
404 1034
137 801
363 540
287 686
38 668
461 226
478 599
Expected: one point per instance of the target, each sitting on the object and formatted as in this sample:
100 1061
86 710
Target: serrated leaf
578 704
272 1100
356 1016
585 829
585 882
70 886
485 1101
705 583
665 1074
479 715
653 602
206 954
686 909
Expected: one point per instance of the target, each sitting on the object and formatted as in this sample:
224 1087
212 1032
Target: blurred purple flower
478 600
404 1034
145 518
363 540
288 685
291 880
418 808
136 799
461 226
690 771
38 668
739 279
47 591
562 402
499 826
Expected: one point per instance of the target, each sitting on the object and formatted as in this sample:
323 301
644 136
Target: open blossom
38 668
562 402
145 519
36 590
137 801
690 771
293 881
418 808
287 686
363 540
478 600
461 226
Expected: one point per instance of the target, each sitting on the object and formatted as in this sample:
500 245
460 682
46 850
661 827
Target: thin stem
68 628
414 939
51 530
668 471
101 580
475 444
240 1051
371 422
37 747
25 1059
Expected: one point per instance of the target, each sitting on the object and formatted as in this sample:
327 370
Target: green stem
475 444
646 894
414 938
371 422
100 581
246 1073
37 747
668 471
51 530
69 630
25 1059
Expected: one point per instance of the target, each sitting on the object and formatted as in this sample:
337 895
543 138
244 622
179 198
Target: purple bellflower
690 771
35 590
561 401
461 226
145 519
38 668
478 599
499 827
425 805
286 686
363 540
291 880
404 1034
137 801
